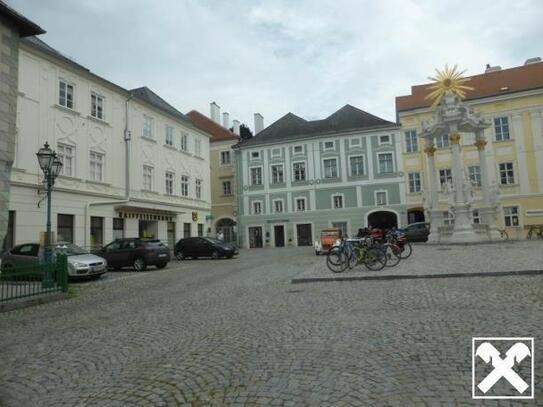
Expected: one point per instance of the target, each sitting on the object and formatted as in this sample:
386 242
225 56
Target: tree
245 132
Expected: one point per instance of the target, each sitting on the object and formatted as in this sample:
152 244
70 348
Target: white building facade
133 165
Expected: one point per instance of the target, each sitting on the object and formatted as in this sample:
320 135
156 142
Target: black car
417 232
204 247
135 252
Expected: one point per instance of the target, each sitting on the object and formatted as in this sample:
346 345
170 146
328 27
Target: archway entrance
383 219
415 215
228 228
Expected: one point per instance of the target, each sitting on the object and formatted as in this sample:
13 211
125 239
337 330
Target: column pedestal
436 220
489 216
463 229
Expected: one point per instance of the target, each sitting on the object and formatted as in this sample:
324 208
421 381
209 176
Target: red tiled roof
217 132
505 81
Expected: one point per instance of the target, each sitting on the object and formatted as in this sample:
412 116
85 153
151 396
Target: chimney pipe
215 112
259 123
236 127
226 120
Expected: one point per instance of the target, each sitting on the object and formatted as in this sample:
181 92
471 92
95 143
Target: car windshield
69 249
213 240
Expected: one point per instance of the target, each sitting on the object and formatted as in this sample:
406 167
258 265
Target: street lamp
51 166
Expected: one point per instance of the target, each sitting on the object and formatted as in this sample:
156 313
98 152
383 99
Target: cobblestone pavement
236 332
480 258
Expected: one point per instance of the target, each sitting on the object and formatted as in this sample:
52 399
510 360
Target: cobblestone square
237 332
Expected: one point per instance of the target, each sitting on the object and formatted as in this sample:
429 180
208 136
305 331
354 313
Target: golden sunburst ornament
447 80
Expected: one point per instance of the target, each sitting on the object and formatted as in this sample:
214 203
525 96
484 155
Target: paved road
235 332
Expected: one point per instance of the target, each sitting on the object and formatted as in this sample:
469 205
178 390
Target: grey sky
309 57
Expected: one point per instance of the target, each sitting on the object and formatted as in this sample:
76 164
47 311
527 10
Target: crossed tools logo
503 368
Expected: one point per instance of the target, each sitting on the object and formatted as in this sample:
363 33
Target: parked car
135 252
81 263
328 239
195 247
417 232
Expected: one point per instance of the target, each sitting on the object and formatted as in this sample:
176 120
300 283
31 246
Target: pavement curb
414 276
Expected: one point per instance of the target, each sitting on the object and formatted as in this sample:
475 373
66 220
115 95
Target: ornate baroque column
457 174
435 214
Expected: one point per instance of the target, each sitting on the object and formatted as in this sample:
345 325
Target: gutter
127 138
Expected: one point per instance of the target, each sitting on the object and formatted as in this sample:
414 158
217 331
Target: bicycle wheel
504 235
393 254
337 261
375 259
530 234
407 250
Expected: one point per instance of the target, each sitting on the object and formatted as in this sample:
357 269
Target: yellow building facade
512 101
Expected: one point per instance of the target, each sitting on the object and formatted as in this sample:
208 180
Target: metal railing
37 279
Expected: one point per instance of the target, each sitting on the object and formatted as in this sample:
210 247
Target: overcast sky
309 57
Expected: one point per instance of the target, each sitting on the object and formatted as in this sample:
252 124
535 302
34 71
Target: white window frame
149 176
379 162
476 216
67 85
300 198
148 126
282 180
325 148
275 152
226 153
198 188
63 156
324 168
169 178
501 127
260 203
294 171
254 155
413 141
275 202
100 102
385 143
333 200
448 218
450 178
185 185
415 185
184 142
442 142
363 165
261 175
506 171
229 188
511 216
102 163
301 147
475 176
357 144
380 191
169 135
197 147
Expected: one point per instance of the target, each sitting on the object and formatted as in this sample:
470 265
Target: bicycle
535 231
503 234
400 240
346 255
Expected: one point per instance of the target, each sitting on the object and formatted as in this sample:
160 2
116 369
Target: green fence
37 279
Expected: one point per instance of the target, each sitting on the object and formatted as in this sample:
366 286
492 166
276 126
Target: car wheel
161 265
139 264
180 255
215 255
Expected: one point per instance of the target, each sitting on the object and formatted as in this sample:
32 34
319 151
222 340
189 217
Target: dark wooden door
279 235
255 237
304 234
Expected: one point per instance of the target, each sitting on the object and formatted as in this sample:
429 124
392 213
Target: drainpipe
127 138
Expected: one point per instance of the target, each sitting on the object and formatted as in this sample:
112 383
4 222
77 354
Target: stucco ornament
447 82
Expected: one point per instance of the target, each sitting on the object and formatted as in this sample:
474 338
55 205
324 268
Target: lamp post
51 166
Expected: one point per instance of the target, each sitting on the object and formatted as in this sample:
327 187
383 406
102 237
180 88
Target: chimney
226 120
215 112
492 68
236 127
534 60
259 123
